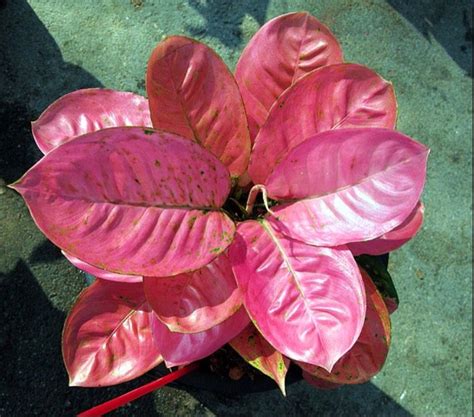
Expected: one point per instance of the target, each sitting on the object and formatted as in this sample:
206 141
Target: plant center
248 203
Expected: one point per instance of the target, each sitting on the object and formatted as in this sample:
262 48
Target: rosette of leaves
229 208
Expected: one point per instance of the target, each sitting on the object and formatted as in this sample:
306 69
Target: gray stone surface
48 48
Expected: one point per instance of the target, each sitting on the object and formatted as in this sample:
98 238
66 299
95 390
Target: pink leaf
333 97
192 93
132 201
183 348
195 301
307 301
107 336
281 52
101 273
393 239
255 350
352 185
368 355
85 111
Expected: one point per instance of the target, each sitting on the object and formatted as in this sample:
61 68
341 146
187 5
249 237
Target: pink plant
229 209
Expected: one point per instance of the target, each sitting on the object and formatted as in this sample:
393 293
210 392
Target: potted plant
231 209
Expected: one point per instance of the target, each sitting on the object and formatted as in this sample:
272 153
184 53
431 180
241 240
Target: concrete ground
49 48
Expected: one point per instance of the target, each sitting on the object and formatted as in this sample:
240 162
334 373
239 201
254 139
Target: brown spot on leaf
191 221
353 161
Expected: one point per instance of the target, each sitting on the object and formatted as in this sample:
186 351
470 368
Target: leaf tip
329 364
15 186
76 378
75 382
281 385
170 364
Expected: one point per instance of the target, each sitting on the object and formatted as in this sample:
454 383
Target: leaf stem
114 403
253 195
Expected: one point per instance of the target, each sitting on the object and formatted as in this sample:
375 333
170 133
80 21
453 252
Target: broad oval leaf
132 201
85 111
195 301
333 97
100 273
183 348
107 337
281 52
351 185
393 239
368 355
307 301
256 351
192 93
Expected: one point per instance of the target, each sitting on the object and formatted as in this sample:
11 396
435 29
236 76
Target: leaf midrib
293 273
127 204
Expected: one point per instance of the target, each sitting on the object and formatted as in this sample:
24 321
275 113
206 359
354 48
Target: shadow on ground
32 75
303 400
447 22
223 18
34 380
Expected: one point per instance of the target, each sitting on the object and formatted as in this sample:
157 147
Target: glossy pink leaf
195 301
281 52
101 273
307 301
183 348
132 201
368 355
192 93
318 382
86 111
333 97
107 336
352 185
256 351
393 239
